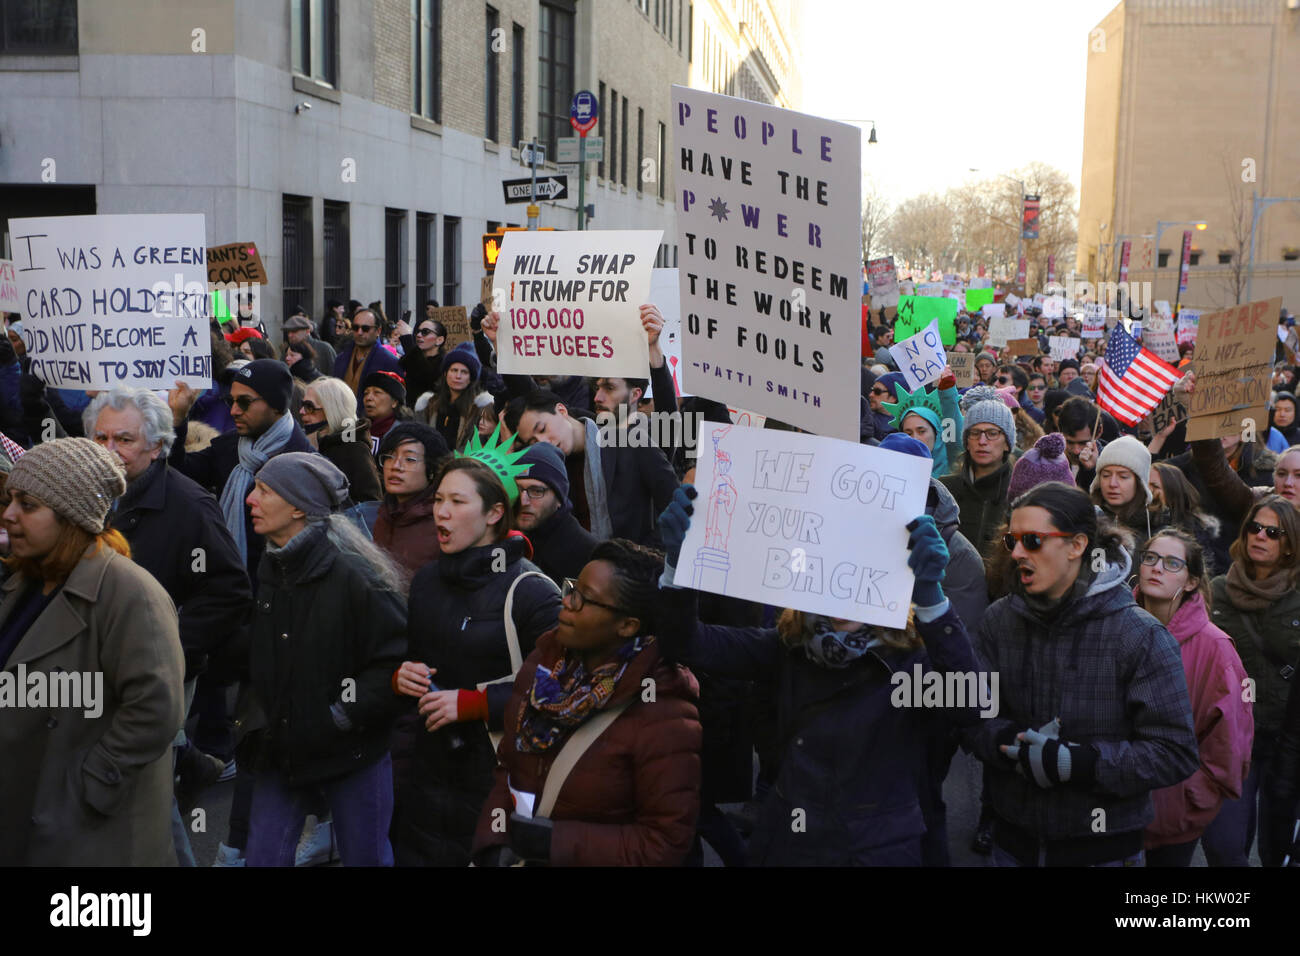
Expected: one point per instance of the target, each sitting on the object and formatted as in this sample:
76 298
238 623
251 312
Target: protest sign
1168 412
883 278
981 282
916 312
1054 307
237 263
1188 321
115 300
746 419
978 298
932 290
921 357
1063 347
1023 347
485 293
767 222
1158 336
571 302
781 517
1013 301
1234 359
963 367
1094 326
992 310
665 292
1002 330
10 300
953 283
906 287
455 320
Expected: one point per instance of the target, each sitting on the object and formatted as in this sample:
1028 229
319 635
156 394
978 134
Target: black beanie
435 446
389 382
271 380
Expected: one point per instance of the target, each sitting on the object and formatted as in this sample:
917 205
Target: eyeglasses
309 406
406 461
1273 531
245 402
985 434
1172 564
1032 540
569 589
534 492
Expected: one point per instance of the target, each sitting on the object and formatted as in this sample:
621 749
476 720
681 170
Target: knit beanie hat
548 467
976 394
905 444
891 381
993 412
389 382
73 476
270 379
986 355
1008 396
1127 452
435 446
310 482
464 354
1044 462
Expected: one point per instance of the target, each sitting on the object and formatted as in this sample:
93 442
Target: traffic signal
492 244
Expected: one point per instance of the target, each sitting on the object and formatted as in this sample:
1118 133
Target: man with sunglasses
362 356
561 546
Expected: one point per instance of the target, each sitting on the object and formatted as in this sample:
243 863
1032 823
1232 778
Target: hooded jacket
407 530
982 501
963 582
1112 674
1225 728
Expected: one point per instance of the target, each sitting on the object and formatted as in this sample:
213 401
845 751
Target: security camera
302 106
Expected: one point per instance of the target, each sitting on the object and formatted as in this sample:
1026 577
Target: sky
952 85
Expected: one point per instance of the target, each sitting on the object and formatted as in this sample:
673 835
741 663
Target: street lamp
871 138
1020 226
1200 225
1258 205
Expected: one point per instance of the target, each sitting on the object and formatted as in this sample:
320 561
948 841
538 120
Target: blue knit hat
547 467
465 355
905 444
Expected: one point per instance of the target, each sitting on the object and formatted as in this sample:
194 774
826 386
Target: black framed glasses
245 402
1172 565
364 328
1273 531
879 391
569 589
1032 540
308 405
421 333
534 492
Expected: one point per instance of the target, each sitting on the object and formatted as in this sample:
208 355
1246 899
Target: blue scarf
252 456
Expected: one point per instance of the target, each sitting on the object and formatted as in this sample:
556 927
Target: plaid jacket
1114 676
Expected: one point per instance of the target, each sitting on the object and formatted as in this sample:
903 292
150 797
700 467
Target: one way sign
551 187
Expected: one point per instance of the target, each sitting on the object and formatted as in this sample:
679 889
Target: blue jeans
361 802
1001 857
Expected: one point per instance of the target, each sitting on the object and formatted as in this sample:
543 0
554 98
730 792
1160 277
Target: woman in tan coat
91 674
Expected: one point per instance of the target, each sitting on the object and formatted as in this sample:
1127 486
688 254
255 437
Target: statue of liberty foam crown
920 401
496 454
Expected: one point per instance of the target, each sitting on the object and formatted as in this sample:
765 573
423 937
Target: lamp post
1259 204
1020 226
1200 225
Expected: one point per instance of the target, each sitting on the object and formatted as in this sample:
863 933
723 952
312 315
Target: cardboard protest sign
455 320
920 358
883 278
916 312
485 293
991 310
1169 411
1234 359
767 221
10 299
978 298
781 518
1002 330
572 302
1023 347
115 300
963 367
665 292
1188 322
236 263
1063 347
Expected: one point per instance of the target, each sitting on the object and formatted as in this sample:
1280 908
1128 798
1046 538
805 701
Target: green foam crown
498 456
907 401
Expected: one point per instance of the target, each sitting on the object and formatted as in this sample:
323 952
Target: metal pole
534 213
582 181
1255 210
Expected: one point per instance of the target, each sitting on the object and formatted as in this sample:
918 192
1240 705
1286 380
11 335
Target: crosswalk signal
492 244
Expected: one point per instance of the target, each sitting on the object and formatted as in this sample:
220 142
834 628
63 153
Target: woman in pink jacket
1173 587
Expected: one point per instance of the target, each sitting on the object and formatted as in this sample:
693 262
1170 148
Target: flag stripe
1145 380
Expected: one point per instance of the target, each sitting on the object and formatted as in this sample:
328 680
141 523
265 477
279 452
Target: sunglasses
363 328
243 401
1172 565
1273 532
880 391
423 332
309 406
1032 540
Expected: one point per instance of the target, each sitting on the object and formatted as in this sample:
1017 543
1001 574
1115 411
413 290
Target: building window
426 264
426 59
1162 258
674 256
640 149
394 262
338 252
622 133
492 80
555 71
517 87
600 166
611 145
48 27
661 172
450 260
690 33
1194 257
296 249
315 39
1225 257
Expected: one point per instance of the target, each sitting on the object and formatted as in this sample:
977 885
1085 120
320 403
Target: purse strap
512 632
573 749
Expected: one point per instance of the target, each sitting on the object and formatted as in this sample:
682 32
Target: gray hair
338 402
153 410
345 534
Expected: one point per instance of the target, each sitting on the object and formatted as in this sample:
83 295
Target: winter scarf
1247 594
838 649
594 477
252 456
564 696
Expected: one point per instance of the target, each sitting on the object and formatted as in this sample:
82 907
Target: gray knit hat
308 481
1127 452
992 412
73 476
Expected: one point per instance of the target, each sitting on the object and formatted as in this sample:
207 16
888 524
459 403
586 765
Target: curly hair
636 577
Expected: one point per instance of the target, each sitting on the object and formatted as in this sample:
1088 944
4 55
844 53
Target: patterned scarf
836 649
566 695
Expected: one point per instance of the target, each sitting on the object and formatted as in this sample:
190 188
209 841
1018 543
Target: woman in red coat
634 794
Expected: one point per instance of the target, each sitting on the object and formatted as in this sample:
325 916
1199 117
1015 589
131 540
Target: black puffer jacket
456 626
983 502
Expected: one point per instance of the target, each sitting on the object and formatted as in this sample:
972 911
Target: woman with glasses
1173 587
1094 711
410 455
1258 603
980 484
422 354
633 798
328 415
458 646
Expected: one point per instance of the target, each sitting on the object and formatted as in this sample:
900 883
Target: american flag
1133 380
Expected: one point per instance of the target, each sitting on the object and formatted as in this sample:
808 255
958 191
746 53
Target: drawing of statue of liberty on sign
712 562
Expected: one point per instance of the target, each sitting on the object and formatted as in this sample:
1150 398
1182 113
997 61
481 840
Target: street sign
583 111
549 187
566 148
526 153
567 169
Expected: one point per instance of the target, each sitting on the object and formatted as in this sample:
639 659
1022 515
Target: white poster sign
10 299
665 292
1003 329
781 518
1094 326
981 282
906 287
115 300
1063 347
882 277
1054 307
572 302
1189 320
994 310
767 219
921 358
1158 336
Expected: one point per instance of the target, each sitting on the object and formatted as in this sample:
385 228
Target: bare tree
1238 235
875 215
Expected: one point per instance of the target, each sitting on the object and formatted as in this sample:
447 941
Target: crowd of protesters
411 606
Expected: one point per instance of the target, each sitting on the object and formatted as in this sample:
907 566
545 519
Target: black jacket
639 483
178 535
213 465
982 501
561 546
354 459
323 634
422 374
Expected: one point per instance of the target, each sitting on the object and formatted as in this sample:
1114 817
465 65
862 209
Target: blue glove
675 520
928 560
